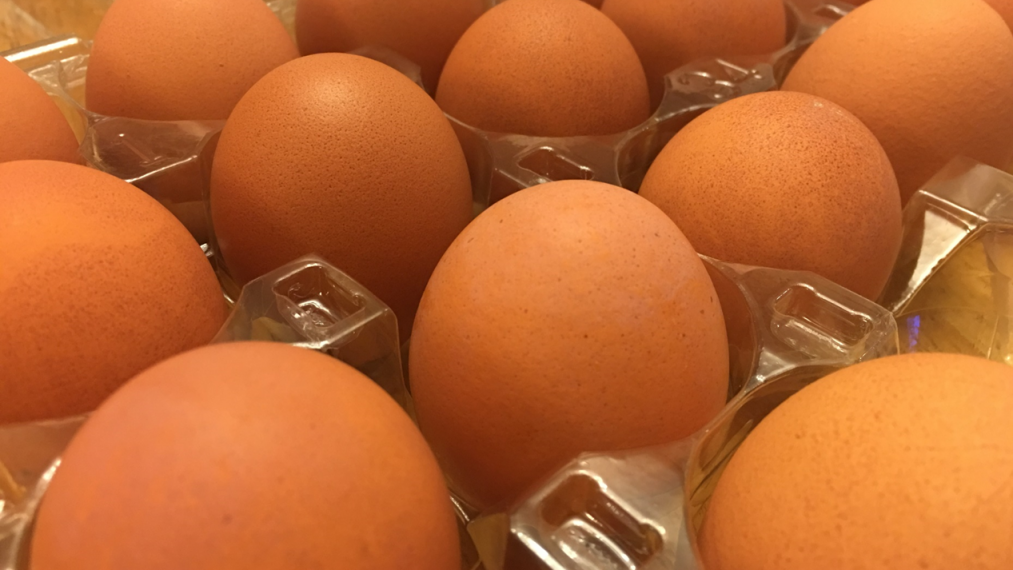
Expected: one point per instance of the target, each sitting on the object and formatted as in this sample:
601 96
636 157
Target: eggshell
1005 9
247 455
424 31
172 60
32 126
569 317
341 156
547 68
783 180
668 34
932 79
97 282
901 463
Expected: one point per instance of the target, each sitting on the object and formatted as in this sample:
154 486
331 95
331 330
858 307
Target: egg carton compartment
159 156
951 287
307 303
503 163
640 509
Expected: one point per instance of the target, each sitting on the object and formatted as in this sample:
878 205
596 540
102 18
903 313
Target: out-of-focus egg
172 60
31 125
424 31
668 34
932 79
783 180
247 455
569 317
551 68
97 282
902 463
341 156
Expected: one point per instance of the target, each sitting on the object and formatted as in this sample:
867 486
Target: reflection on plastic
311 304
950 289
639 510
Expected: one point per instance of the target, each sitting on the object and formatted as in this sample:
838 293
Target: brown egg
424 31
31 125
341 156
930 78
783 180
902 463
247 455
1005 9
668 34
569 317
97 282
551 68
171 60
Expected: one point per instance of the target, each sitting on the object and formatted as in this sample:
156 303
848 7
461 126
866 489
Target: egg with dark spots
97 282
569 317
783 180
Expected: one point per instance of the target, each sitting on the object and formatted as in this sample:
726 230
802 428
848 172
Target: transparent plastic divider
951 287
638 509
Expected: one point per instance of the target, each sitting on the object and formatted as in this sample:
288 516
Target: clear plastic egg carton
952 285
641 509
160 157
307 303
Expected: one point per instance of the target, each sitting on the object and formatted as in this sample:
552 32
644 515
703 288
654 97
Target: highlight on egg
569 317
247 455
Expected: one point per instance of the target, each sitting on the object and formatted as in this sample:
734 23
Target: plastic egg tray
629 510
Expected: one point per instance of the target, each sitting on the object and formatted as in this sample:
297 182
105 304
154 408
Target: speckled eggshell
31 125
247 455
569 317
668 34
173 60
932 79
902 463
97 282
546 68
424 31
783 180
342 156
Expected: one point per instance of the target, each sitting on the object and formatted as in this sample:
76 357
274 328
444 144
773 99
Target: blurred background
26 21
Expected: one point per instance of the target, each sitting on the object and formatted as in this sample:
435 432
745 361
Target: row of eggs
317 156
